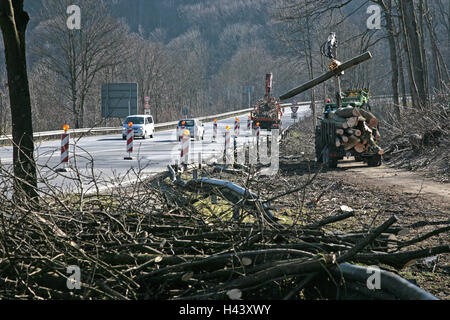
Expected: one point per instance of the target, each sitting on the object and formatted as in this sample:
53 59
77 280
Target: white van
143 126
195 127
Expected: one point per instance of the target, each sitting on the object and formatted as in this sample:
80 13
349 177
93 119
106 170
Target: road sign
185 111
147 99
147 106
119 100
293 116
294 110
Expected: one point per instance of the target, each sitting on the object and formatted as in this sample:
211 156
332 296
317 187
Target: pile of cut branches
159 240
420 139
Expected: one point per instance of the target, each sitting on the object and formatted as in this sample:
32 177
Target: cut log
338 142
371 120
360 148
352 122
348 112
338 121
344 139
355 132
340 132
352 141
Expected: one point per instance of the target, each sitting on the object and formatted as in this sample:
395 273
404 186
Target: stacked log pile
357 129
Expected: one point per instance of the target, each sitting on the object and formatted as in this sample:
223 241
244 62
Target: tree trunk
13 22
311 73
440 74
328 75
413 48
422 47
401 72
393 55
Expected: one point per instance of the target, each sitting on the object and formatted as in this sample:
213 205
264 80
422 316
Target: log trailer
348 130
347 127
267 112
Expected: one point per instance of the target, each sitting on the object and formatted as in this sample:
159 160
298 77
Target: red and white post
182 128
215 130
236 127
65 145
257 130
130 140
228 152
249 123
185 145
258 134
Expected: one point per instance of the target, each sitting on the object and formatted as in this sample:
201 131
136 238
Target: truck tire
331 162
374 161
318 145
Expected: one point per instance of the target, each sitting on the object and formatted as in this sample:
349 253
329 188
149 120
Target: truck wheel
332 163
318 145
329 161
374 161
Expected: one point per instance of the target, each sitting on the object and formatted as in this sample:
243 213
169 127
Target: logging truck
267 112
348 130
347 127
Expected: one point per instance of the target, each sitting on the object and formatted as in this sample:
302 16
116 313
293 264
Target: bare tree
440 74
413 47
149 68
78 56
386 5
4 109
13 22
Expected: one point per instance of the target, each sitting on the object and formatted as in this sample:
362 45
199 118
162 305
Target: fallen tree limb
400 259
424 237
329 220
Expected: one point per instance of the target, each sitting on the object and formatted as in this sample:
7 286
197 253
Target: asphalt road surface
101 158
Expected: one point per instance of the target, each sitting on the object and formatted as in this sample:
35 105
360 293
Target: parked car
143 126
195 127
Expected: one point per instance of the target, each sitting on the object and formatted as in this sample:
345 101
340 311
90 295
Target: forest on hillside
207 55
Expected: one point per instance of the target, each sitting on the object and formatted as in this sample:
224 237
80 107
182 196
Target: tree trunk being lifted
308 85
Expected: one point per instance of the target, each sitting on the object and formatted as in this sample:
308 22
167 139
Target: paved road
103 156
